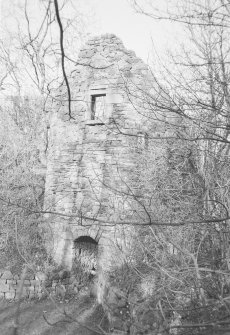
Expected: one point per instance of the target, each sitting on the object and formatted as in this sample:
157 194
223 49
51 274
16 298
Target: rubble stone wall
13 287
89 159
10 286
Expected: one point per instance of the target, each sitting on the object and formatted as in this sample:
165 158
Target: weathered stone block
38 289
32 295
29 276
40 295
11 281
123 65
19 282
60 291
7 275
3 286
23 295
99 61
26 283
24 291
40 276
13 287
87 53
35 282
10 295
72 279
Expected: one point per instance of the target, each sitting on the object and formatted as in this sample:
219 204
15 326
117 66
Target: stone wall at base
10 285
39 285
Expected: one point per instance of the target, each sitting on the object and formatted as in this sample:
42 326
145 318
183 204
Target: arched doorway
86 254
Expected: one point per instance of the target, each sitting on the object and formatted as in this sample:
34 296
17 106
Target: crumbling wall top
103 63
105 57
108 45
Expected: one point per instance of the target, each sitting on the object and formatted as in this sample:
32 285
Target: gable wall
88 160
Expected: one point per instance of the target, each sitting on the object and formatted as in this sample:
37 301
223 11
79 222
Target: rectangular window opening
98 107
142 141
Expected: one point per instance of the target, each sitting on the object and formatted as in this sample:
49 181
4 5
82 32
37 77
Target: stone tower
89 156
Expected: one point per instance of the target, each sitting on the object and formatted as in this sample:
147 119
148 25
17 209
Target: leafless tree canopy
181 181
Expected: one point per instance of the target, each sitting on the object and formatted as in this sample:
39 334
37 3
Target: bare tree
196 92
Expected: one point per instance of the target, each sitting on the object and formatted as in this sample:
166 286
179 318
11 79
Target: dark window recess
142 141
98 107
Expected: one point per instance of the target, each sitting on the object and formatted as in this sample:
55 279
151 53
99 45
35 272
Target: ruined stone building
90 156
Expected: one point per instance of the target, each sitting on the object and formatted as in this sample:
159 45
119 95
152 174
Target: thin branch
63 57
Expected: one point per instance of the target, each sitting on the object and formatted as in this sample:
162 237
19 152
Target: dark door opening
86 254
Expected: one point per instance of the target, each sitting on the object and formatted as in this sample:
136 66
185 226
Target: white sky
147 37
138 32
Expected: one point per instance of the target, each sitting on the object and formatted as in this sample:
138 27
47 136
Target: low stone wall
38 285
10 285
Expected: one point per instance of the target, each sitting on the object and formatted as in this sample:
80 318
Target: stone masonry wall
10 285
89 160
37 286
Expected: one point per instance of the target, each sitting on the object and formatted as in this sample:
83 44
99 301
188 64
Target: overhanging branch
63 57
